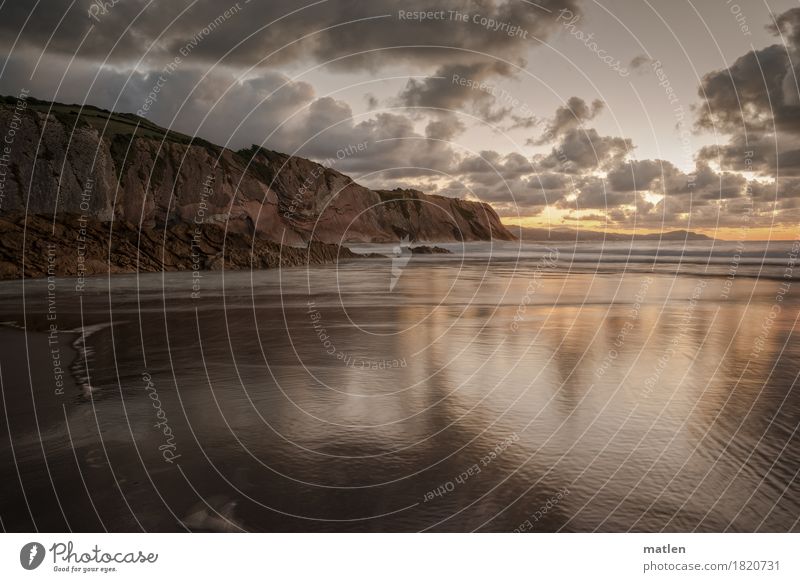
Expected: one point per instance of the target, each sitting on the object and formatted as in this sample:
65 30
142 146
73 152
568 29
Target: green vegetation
111 125
118 128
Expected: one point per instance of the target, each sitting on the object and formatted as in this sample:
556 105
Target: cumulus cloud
592 193
393 148
216 104
231 88
457 87
226 83
445 127
354 35
568 117
756 102
583 150
637 174
741 98
639 62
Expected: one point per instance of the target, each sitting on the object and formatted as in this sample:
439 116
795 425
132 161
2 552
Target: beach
506 387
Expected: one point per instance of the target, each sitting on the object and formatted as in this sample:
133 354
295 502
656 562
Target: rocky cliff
106 166
76 247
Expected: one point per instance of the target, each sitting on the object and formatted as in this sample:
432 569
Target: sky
616 115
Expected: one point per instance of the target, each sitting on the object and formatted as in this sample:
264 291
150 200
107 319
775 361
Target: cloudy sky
659 114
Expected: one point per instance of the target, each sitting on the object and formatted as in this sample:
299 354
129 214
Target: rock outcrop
86 191
426 250
75 247
110 166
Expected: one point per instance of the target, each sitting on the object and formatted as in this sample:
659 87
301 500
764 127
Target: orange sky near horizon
787 233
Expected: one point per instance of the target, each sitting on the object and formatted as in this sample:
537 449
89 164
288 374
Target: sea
502 387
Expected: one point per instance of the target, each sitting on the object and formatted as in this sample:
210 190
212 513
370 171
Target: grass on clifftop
111 125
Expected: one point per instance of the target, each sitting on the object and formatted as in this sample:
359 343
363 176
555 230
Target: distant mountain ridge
566 234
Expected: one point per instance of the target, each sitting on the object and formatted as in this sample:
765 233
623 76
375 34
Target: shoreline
77 248
599 271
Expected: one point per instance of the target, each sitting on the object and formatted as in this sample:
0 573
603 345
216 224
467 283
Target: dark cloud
457 87
393 148
779 190
444 127
786 25
637 175
754 94
508 181
523 122
662 177
358 35
549 181
582 150
728 186
569 117
490 167
216 105
223 60
593 194
764 153
268 109
756 103
639 62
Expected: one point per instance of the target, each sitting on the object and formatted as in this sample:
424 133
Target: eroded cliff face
106 166
34 246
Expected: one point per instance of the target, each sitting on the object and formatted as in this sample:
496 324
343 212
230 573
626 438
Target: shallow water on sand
483 392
